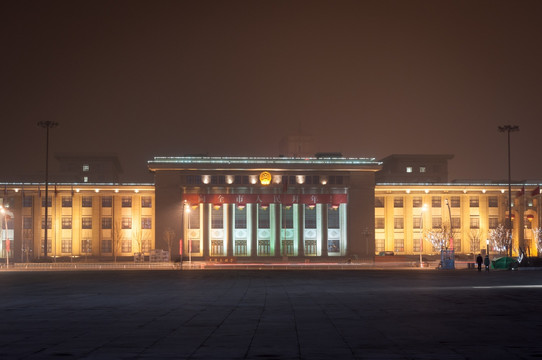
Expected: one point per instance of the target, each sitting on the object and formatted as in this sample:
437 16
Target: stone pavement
232 314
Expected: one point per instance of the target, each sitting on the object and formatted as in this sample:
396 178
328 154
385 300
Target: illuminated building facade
236 208
84 220
258 208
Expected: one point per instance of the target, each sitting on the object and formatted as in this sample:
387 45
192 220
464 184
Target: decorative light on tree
438 238
537 232
500 238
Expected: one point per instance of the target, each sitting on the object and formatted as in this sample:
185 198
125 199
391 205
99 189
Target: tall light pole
47 125
451 226
508 129
187 212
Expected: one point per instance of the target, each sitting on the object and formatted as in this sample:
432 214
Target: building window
409 169
126 246
455 201
436 222
474 222
67 201
417 201
66 222
333 218
474 201
422 169
379 245
493 222
126 222
145 246
86 201
27 222
86 246
126 201
146 202
86 168
398 202
85 179
399 245
416 223
217 217
398 223
493 201
107 201
263 217
379 201
417 245
86 222
66 245
194 218
436 201
107 246
49 222
240 217
456 222
379 222
457 245
335 180
312 180
27 201
193 179
310 217
146 222
49 201
107 223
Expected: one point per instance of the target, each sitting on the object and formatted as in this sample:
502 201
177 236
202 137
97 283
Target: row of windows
436 201
436 222
86 201
245 180
107 246
264 218
86 222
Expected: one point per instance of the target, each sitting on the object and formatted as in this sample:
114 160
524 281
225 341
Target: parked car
386 253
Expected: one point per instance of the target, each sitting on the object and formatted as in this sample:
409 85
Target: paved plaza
271 314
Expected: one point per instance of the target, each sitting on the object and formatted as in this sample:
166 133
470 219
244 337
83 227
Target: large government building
324 207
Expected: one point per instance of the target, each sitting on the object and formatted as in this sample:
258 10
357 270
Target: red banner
266 199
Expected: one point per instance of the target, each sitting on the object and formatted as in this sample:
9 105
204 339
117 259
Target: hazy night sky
365 78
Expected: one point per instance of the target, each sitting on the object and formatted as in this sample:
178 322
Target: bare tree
438 237
169 236
474 236
137 236
501 239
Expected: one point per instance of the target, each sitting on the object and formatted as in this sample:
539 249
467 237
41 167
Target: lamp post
424 207
508 129
47 125
451 227
487 247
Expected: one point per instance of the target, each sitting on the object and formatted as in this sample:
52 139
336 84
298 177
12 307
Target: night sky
365 78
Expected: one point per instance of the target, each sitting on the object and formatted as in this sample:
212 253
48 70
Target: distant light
116 190
408 191
206 179
426 191
300 179
483 191
229 179
136 191
253 179
502 191
16 190
77 190
97 190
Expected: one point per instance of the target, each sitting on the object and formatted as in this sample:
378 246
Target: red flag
536 191
521 192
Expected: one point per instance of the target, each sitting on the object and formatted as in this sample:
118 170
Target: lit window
422 169
85 178
409 169
86 168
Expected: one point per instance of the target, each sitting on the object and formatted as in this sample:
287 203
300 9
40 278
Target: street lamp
509 129
451 227
47 125
487 247
424 207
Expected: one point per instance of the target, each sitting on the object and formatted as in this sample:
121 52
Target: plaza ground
258 314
